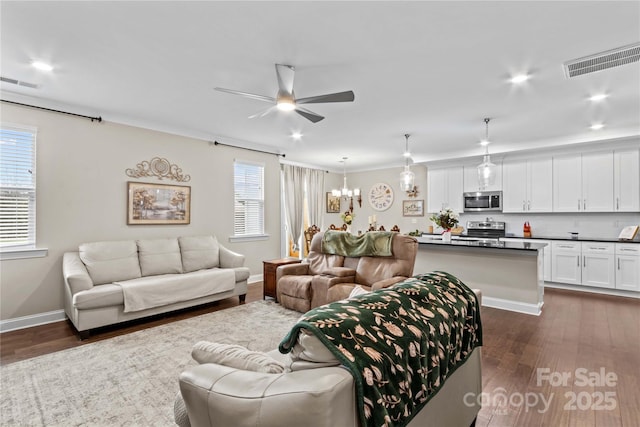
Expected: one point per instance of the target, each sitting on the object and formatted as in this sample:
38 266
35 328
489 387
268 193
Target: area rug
130 380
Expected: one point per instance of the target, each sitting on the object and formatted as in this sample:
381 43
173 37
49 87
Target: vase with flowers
446 219
347 218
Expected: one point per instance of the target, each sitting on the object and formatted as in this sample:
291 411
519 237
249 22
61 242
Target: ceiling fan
285 100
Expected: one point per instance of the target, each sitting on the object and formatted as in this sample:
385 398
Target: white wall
82 196
390 217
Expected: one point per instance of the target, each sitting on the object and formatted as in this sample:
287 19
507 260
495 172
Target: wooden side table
269 275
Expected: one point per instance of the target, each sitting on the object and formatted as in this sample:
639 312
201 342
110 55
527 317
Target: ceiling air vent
19 83
602 61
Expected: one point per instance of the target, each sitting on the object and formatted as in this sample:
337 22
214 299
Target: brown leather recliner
324 278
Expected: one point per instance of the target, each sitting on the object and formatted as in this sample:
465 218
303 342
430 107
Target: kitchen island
509 274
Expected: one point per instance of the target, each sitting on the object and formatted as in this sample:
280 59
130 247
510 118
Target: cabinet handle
618 263
578 260
584 204
578 204
523 208
528 205
584 261
617 203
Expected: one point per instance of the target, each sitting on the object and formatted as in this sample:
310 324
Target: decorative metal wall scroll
160 168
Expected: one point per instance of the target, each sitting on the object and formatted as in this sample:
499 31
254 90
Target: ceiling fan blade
285 75
347 96
247 95
309 115
262 113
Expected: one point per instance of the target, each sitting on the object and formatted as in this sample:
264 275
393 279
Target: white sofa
235 388
115 281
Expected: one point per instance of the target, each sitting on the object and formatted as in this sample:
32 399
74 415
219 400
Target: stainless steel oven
483 201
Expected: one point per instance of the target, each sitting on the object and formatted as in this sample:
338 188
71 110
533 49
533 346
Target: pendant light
407 178
486 170
345 191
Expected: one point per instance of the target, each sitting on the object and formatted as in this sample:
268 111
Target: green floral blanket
400 343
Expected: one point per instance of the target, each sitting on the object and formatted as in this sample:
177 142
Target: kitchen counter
520 246
552 237
579 239
509 274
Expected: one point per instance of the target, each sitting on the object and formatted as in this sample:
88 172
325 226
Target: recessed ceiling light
485 142
597 126
42 66
296 135
520 78
598 97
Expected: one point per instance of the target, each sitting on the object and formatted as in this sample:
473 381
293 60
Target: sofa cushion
107 295
199 252
159 256
235 356
108 262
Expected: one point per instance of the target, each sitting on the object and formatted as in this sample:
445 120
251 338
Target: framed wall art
158 204
333 203
413 208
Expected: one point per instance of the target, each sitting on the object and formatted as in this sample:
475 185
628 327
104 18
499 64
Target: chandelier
407 178
345 192
486 169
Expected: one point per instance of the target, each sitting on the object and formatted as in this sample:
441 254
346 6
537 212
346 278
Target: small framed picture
413 208
333 203
158 204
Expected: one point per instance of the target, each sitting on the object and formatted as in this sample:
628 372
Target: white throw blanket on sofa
148 292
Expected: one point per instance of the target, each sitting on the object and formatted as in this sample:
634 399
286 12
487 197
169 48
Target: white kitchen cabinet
583 183
471 178
628 266
626 180
527 186
566 264
598 266
445 188
584 263
546 252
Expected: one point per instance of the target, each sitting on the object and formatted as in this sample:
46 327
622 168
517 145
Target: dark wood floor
579 335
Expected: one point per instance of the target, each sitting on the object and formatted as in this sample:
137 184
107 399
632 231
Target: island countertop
522 246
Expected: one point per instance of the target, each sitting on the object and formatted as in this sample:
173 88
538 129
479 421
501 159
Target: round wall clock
381 196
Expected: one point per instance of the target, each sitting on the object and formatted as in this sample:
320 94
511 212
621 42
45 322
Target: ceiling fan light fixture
285 103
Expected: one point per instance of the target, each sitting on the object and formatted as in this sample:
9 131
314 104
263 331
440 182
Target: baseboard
255 278
519 307
590 289
32 320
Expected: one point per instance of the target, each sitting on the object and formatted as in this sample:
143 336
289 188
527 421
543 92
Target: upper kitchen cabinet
626 180
444 189
583 183
471 179
527 185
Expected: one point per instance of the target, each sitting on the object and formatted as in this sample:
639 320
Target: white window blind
17 187
248 183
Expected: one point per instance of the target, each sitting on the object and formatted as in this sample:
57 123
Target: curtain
293 183
315 196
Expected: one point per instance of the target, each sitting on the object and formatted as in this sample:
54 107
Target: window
248 215
17 188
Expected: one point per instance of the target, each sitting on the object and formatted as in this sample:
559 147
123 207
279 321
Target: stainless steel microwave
482 201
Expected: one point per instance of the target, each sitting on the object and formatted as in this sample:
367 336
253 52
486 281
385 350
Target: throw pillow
199 252
109 262
159 256
358 290
235 356
309 353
